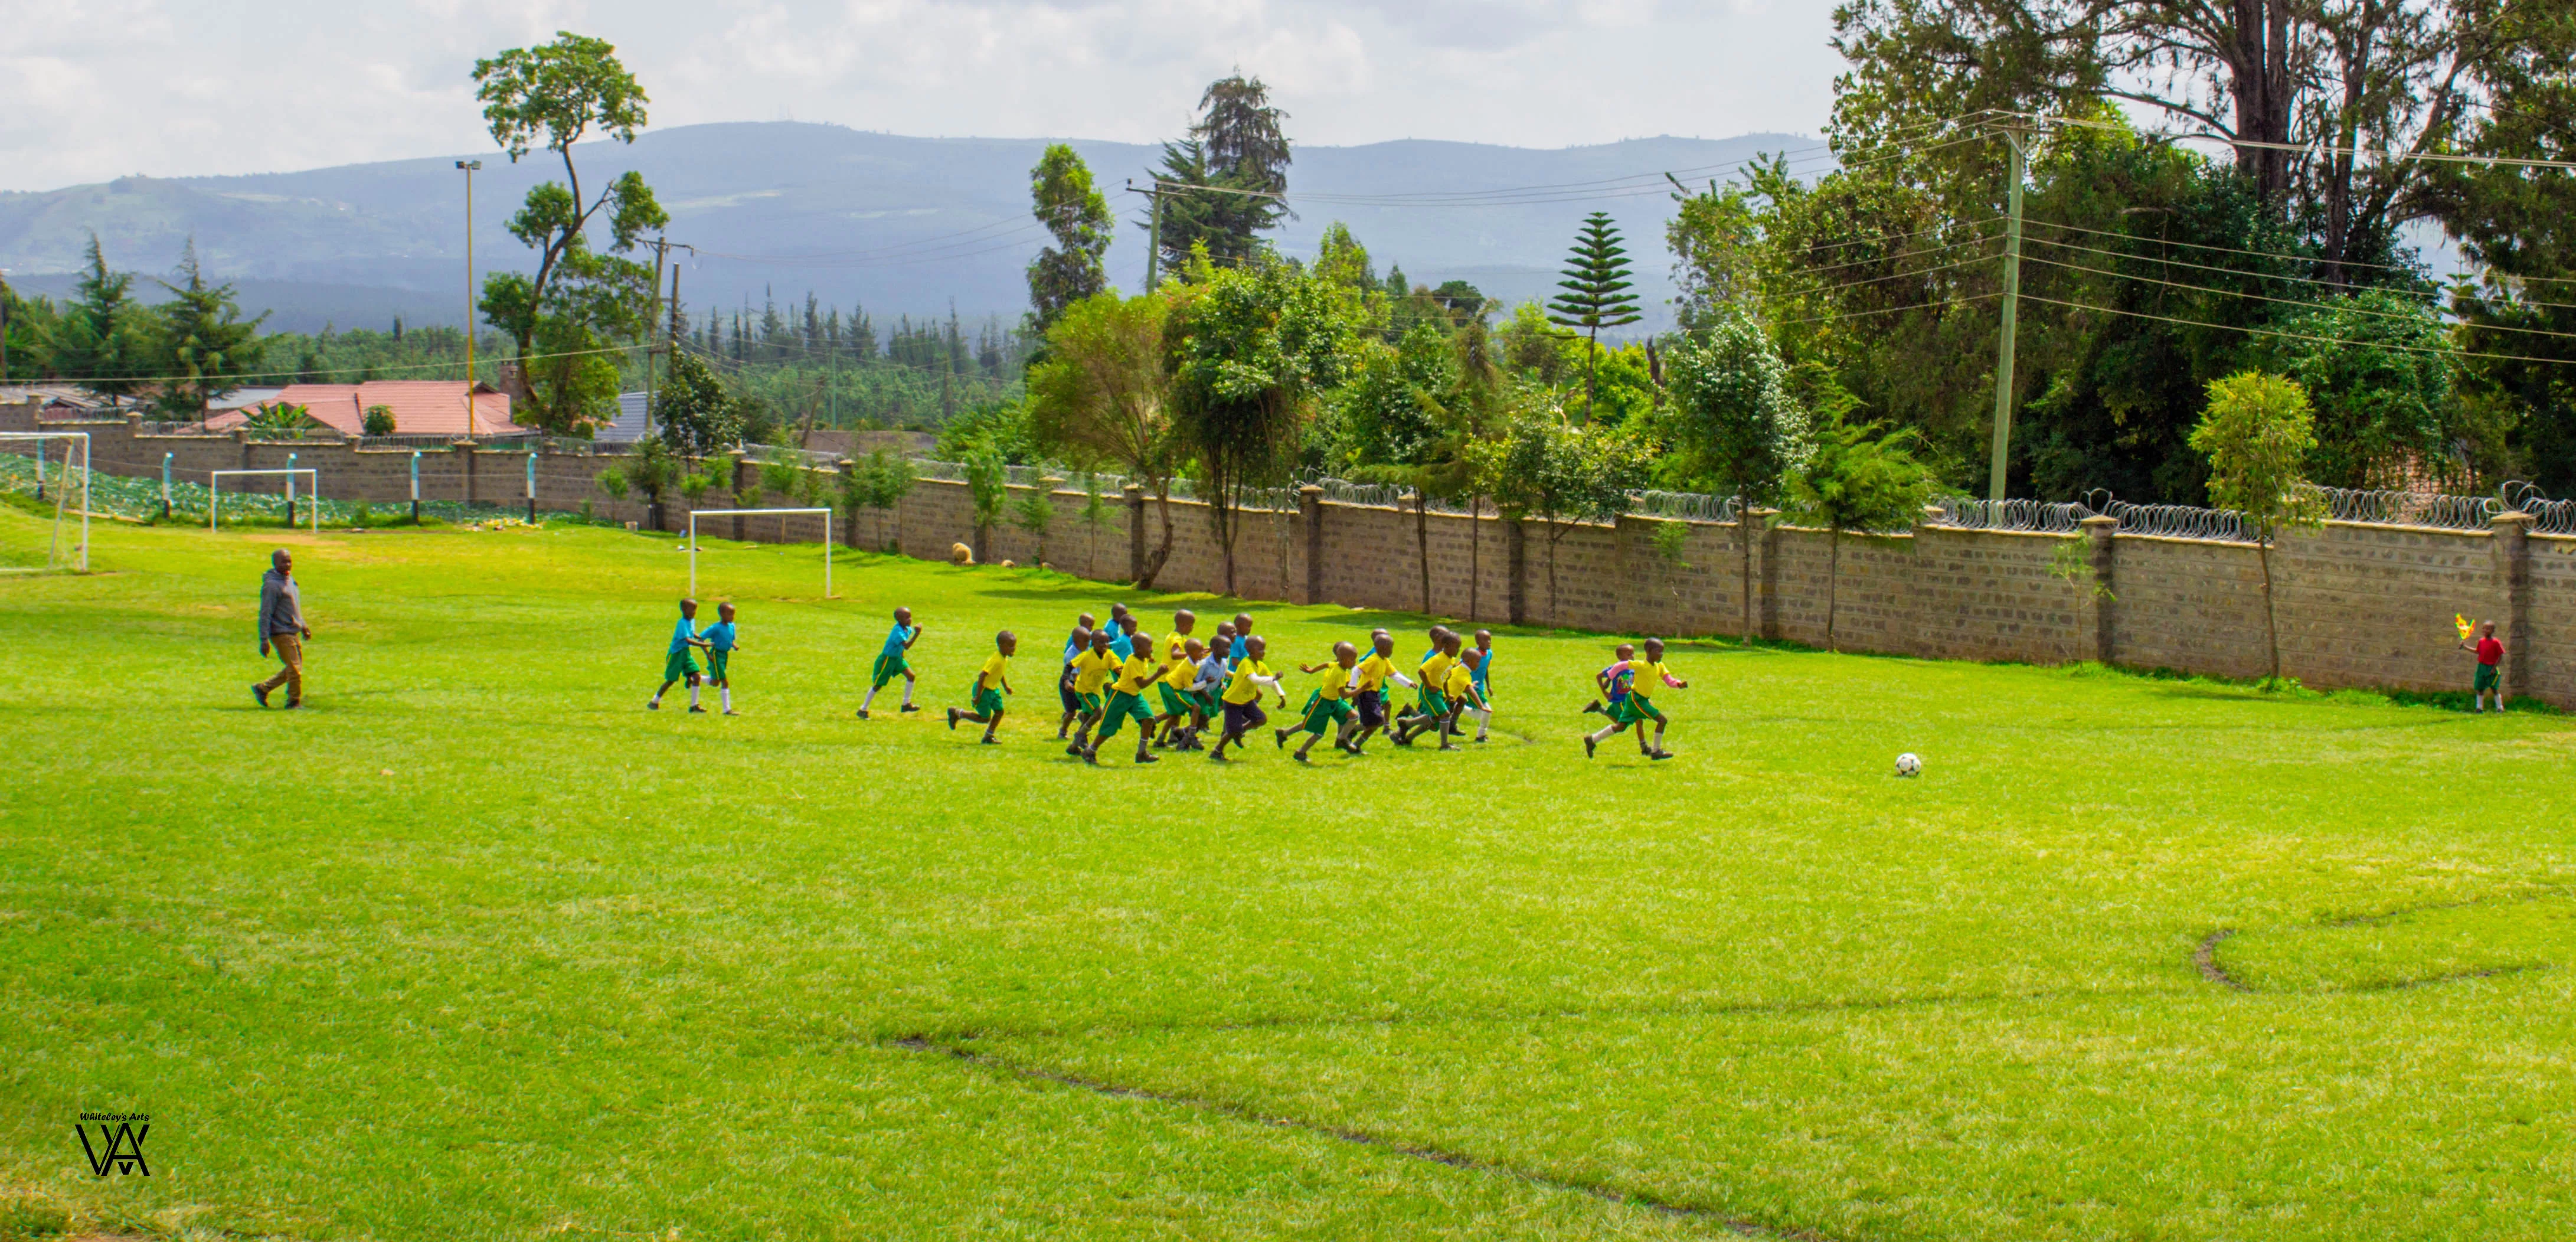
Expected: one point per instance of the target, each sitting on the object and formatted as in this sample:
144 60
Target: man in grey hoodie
281 625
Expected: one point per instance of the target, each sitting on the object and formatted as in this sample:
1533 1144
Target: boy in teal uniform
1611 672
1484 666
1140 671
991 684
893 661
721 645
680 665
1329 707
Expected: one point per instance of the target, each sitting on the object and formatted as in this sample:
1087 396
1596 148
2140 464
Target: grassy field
477 948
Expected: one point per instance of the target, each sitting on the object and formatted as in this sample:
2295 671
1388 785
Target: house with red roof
420 407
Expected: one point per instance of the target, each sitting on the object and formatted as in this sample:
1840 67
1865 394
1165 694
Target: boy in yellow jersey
1091 673
1638 706
990 685
1368 697
1184 711
1431 701
1076 644
1330 704
1176 647
1242 697
1127 699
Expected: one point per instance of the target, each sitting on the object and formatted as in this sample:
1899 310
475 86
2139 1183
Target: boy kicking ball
721 644
2490 675
894 661
1637 706
681 665
990 685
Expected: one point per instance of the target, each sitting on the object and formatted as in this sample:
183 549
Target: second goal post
695 514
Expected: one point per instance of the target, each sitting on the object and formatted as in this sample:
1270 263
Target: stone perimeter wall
2359 605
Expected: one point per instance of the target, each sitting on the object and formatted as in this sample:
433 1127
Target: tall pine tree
1596 293
1236 146
103 338
1074 210
204 343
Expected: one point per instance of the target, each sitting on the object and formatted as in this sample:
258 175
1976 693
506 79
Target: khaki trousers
290 652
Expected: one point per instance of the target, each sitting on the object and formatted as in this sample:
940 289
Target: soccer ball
1908 765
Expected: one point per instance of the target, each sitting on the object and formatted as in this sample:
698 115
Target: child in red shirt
2490 677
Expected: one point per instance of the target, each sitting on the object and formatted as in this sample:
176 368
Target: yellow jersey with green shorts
1435 675
1173 687
988 684
1091 671
1638 708
1127 695
1459 683
1330 704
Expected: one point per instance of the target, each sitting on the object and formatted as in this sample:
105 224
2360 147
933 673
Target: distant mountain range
897 225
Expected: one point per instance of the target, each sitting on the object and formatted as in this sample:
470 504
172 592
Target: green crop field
475 947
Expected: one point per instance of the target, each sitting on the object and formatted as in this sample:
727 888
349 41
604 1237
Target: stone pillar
1516 549
849 515
1766 573
733 483
1310 510
2512 552
1135 532
2103 552
464 450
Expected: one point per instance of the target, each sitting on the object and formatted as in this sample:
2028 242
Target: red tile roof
421 407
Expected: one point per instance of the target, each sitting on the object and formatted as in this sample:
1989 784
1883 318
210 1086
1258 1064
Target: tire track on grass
1646 1200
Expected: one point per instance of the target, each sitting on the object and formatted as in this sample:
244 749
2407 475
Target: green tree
988 488
692 411
2258 433
650 470
1077 214
1545 469
1251 347
204 343
1237 149
103 342
379 421
1732 424
2381 390
578 300
1855 479
1596 292
1102 397
1033 512
26 334
1716 240
878 482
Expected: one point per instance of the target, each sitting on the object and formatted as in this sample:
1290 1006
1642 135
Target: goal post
695 514
62 492
215 493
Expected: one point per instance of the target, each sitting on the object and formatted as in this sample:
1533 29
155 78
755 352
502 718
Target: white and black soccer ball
1908 764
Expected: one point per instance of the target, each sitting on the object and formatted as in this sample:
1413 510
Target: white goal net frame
62 496
695 514
215 493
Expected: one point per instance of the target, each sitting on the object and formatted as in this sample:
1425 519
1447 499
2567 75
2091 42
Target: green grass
476 948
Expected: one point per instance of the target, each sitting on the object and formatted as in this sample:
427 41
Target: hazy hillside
900 225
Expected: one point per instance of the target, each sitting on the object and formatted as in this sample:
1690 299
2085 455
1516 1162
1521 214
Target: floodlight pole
415 487
469 167
2011 319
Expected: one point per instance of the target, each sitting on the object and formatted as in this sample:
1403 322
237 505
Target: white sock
871 698
907 692
1484 719
693 696
726 695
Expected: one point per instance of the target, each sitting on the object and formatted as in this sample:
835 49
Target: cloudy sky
95 89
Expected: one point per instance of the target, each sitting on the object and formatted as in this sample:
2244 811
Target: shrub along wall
2359 604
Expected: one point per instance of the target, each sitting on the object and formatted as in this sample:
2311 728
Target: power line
85 381
2317 148
2263 297
2298 336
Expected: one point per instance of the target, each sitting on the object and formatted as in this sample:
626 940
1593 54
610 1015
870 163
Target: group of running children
1174 690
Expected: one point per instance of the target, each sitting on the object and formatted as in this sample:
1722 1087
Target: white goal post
62 490
215 493
695 514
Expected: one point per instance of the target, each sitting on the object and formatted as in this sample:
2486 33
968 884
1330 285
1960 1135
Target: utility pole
658 323
4 325
1153 228
469 167
2012 316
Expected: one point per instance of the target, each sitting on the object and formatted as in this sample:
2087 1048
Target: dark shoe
863 713
1142 757
990 740
260 693
694 709
650 705
1278 738
1216 756
1659 754
1074 750
1588 744
1300 756
1091 756
1447 746
731 712
1592 708
952 720
292 704
912 707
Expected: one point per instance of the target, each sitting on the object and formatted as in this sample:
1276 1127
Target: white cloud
93 90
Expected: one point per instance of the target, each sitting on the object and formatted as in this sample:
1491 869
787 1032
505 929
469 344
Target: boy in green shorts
680 665
721 645
1330 704
1368 698
1073 646
990 685
1638 706
1431 702
1091 673
1242 697
894 661
1184 711
1454 691
2490 675
1127 699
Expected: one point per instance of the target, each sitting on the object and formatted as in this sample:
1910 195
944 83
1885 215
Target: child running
1430 704
680 665
1177 662
1369 692
1127 699
1611 683
1075 645
1243 689
721 644
894 662
1091 673
1454 686
2490 675
1330 704
1185 710
990 685
1638 706
1484 665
